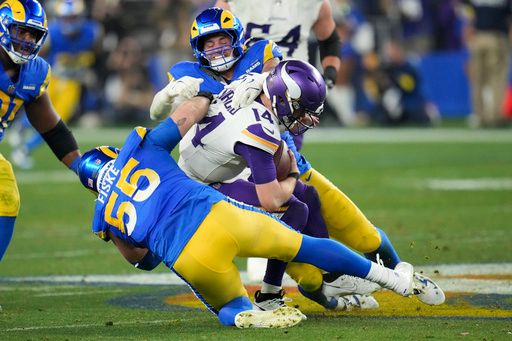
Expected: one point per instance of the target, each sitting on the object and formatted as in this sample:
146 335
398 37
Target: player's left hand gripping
186 87
247 88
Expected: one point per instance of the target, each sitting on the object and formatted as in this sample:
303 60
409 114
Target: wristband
294 175
75 164
206 94
148 262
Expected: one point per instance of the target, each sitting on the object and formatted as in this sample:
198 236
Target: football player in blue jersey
217 40
24 80
154 213
70 49
345 221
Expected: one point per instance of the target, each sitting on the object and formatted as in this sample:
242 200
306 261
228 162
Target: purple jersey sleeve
259 161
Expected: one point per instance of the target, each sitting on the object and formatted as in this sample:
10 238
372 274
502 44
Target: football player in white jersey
289 23
231 139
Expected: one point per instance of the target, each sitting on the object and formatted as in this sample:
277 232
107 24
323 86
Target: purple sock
296 216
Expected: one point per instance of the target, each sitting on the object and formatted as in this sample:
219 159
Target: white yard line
437 272
344 135
479 184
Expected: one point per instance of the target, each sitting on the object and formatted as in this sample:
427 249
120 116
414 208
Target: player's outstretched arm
54 131
168 99
192 111
329 43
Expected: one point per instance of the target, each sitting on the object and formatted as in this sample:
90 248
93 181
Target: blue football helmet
16 18
93 165
214 21
295 89
71 15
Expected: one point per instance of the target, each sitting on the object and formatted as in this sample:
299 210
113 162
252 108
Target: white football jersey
286 22
207 151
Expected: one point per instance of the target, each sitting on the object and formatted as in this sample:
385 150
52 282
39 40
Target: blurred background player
24 80
74 41
197 231
289 23
488 33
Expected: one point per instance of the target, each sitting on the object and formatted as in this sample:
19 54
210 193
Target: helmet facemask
297 94
301 119
219 58
214 21
21 50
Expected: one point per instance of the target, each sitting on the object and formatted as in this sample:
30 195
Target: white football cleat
270 301
350 302
283 317
427 290
405 284
348 285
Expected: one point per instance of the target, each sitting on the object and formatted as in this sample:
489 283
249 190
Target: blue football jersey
69 55
32 82
253 60
145 198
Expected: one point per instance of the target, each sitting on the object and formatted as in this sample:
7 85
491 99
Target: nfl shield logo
11 89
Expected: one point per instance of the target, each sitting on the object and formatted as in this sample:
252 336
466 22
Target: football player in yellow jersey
23 81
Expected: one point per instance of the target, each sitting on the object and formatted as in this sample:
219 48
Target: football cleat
346 302
404 285
350 302
268 302
427 291
283 317
347 285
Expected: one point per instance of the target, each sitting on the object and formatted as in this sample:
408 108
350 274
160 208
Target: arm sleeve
166 135
259 161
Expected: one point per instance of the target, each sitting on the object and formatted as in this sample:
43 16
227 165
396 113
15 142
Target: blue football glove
302 163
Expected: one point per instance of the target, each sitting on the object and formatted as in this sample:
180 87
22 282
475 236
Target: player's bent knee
368 243
307 276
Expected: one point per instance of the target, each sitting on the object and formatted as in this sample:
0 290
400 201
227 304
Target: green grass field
444 196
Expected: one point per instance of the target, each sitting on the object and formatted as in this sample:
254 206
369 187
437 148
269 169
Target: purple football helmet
296 89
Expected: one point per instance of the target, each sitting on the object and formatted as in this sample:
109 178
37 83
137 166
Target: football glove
330 75
185 87
246 88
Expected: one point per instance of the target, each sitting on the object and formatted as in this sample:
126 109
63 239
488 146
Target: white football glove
183 88
246 88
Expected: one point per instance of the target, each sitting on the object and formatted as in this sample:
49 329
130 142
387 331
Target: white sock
383 276
270 289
